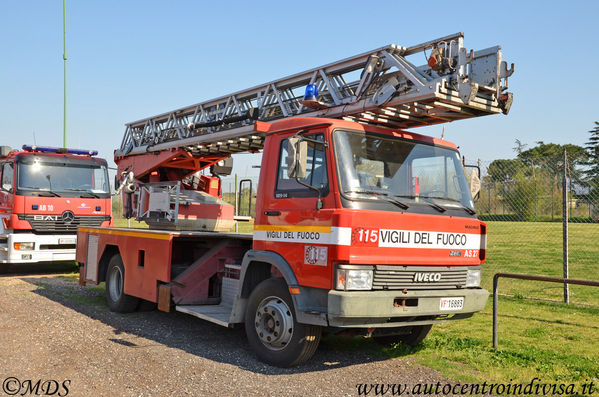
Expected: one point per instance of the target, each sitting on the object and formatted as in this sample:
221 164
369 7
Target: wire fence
515 191
525 203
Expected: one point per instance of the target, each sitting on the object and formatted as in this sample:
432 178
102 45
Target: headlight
353 279
23 246
473 278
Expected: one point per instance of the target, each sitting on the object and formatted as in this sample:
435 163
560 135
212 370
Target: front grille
58 225
403 277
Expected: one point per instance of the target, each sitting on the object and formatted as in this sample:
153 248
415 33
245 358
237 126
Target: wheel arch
109 252
256 267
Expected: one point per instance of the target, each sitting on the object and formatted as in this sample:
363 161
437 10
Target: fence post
565 226
495 309
236 211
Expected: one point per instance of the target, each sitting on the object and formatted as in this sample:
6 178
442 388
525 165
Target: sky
129 60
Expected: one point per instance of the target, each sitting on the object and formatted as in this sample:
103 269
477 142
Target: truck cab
46 194
380 231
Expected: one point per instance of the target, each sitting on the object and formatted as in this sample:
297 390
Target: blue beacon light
48 149
311 93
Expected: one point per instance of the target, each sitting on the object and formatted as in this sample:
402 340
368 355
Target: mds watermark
14 386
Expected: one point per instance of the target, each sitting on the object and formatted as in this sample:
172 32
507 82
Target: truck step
218 314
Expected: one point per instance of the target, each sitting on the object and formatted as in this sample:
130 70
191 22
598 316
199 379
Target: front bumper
362 309
47 248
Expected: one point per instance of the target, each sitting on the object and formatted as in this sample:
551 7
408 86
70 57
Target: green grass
536 248
244 227
122 222
548 340
95 300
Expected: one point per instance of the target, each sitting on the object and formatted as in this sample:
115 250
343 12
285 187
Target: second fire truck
46 193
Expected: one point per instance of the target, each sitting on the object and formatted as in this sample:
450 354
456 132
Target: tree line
529 186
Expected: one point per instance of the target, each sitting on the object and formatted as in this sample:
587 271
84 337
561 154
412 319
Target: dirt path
52 329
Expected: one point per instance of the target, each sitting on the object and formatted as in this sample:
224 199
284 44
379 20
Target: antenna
34 142
443 133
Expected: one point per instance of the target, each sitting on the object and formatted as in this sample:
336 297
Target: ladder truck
46 193
360 227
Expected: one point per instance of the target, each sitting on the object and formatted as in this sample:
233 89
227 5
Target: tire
272 330
116 298
417 335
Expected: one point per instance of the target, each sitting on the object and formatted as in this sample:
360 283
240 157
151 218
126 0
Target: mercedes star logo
68 217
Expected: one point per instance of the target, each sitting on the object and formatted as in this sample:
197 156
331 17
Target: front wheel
414 337
116 298
272 330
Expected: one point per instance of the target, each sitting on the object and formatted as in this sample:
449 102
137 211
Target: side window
7 176
316 172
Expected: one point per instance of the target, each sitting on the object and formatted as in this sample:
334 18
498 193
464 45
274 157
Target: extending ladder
378 87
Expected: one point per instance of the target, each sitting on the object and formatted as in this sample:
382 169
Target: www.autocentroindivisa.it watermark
13 386
535 388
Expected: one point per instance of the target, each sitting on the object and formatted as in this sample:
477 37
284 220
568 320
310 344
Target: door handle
272 213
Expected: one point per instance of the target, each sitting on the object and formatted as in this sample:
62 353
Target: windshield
376 166
62 177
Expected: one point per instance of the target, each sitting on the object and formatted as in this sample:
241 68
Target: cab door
6 191
294 224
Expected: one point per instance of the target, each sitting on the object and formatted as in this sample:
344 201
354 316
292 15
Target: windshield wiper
427 200
87 192
382 196
460 205
44 190
372 192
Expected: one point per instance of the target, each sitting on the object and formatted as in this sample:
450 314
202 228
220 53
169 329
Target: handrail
532 278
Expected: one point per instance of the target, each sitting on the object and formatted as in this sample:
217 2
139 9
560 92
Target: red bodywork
351 230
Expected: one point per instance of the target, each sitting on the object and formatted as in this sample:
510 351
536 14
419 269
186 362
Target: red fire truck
361 227
46 194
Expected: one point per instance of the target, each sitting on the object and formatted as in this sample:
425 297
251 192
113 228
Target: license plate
449 304
67 240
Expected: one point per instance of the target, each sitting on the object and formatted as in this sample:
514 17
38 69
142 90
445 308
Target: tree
529 184
547 158
592 151
504 170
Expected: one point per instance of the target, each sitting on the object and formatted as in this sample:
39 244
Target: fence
543 218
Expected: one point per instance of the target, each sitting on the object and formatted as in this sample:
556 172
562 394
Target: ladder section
378 87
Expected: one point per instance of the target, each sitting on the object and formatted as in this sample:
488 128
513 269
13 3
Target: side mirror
474 181
475 186
297 158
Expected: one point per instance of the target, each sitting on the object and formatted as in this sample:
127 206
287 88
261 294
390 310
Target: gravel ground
53 329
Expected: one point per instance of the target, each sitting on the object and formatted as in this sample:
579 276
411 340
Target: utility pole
64 57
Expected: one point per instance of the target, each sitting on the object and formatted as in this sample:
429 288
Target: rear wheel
116 298
416 335
272 330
